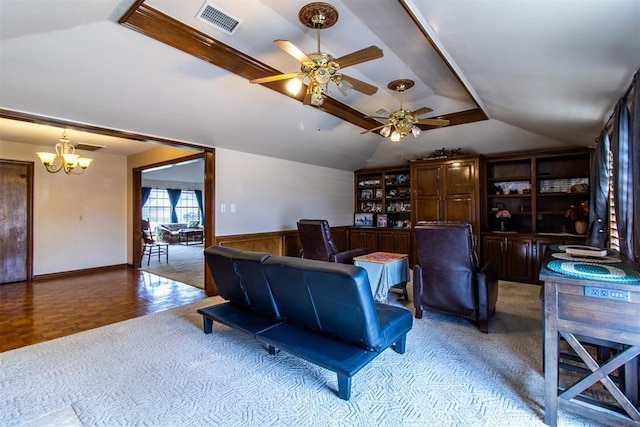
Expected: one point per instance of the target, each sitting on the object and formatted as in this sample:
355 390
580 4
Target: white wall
272 194
79 221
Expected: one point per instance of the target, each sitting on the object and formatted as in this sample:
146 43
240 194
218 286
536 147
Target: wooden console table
580 305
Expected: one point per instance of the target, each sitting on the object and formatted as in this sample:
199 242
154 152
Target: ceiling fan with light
403 122
318 69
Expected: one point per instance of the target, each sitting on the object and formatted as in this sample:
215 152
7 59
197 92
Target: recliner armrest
346 257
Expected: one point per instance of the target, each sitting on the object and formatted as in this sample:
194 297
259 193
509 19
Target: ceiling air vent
382 112
214 15
87 147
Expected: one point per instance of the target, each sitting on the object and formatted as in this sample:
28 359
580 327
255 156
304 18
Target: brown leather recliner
447 277
315 236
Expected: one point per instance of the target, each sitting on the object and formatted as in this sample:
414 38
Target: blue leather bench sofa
319 311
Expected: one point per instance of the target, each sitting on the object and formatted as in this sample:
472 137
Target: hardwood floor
33 312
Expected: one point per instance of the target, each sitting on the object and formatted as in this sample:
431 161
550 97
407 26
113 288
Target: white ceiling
547 73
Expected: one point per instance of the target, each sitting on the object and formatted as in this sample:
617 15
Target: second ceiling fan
404 122
320 68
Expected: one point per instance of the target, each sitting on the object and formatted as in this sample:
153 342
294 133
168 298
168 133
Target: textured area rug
186 265
161 370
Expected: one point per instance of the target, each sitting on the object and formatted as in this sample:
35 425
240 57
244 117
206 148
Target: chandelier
64 158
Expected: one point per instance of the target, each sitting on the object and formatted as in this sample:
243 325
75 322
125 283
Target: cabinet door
427 209
364 239
427 180
520 259
403 242
495 248
460 178
386 241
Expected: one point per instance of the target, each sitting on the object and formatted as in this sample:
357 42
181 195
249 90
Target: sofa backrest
239 278
254 282
222 264
332 298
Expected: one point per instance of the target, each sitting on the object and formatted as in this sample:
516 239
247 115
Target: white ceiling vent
87 147
382 112
219 18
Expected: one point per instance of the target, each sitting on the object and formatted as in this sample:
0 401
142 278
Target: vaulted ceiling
508 75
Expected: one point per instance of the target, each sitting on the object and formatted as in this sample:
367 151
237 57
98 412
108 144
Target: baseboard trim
62 274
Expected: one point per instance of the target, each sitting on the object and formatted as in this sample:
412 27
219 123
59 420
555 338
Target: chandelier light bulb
386 131
395 136
415 130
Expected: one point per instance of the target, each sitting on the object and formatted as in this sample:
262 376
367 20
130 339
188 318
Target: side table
385 270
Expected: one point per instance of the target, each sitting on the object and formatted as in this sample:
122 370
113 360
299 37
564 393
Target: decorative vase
581 227
502 226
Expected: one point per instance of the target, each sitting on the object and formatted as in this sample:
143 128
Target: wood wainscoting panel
283 243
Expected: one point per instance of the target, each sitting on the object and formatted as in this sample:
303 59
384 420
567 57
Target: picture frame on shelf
366 194
382 221
378 193
363 219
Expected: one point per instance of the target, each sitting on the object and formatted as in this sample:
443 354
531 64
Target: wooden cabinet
520 255
536 189
395 241
515 255
363 238
446 190
385 195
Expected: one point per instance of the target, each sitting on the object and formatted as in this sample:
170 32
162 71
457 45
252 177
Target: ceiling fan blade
275 78
372 129
292 50
362 55
376 117
421 111
360 86
433 122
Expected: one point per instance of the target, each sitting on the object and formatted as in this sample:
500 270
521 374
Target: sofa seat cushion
339 356
394 321
237 317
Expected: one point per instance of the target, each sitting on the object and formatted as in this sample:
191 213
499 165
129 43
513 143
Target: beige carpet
186 264
162 370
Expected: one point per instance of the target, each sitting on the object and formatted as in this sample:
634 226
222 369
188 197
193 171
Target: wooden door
16 186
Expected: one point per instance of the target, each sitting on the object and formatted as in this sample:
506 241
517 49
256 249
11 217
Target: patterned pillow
193 224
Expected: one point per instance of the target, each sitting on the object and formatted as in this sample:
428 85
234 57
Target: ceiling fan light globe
345 87
415 130
385 131
395 136
294 86
317 99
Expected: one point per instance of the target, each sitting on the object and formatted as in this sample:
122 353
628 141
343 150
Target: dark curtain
146 192
635 160
174 196
598 231
199 199
622 176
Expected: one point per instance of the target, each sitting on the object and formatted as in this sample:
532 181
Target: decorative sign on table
381 257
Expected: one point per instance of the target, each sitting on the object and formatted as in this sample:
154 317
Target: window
187 208
158 207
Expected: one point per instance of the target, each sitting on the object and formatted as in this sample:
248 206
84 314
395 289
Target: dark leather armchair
447 277
317 244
